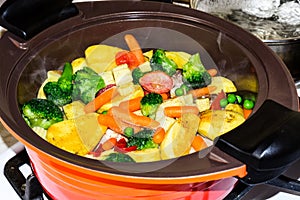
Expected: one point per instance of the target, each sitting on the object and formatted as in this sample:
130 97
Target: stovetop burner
29 188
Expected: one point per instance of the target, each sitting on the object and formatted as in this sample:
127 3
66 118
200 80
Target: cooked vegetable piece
159 61
179 137
159 135
248 104
110 122
212 72
41 113
223 102
156 82
100 100
131 104
135 48
86 84
222 83
60 92
132 119
146 155
194 73
201 91
149 104
119 157
198 143
142 140
74 109
79 135
101 57
217 122
136 75
127 57
109 144
247 113
178 111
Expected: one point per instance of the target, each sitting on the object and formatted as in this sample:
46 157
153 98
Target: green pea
223 102
231 98
239 98
179 92
185 88
248 104
128 131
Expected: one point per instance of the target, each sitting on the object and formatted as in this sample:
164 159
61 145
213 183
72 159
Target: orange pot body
63 180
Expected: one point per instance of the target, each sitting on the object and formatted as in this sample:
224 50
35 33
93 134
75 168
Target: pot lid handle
267 142
27 18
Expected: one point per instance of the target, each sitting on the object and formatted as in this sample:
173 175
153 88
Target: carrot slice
131 118
178 111
212 72
198 143
247 113
100 100
165 96
110 122
132 104
135 48
202 91
109 144
159 135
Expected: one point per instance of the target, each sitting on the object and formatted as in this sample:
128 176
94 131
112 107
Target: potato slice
222 83
217 122
52 76
178 139
101 57
78 64
235 108
74 109
179 57
78 136
146 155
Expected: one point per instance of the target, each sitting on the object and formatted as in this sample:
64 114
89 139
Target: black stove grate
30 189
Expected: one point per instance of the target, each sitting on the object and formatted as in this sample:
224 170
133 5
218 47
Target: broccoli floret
60 92
86 84
119 157
42 113
136 75
160 61
142 140
194 73
150 103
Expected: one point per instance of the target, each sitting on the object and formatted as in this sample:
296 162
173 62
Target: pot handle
27 18
268 141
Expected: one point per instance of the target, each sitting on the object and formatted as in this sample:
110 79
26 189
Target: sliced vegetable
159 135
131 104
247 113
129 58
135 48
212 72
109 144
100 100
202 91
178 111
110 122
132 119
157 82
198 143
